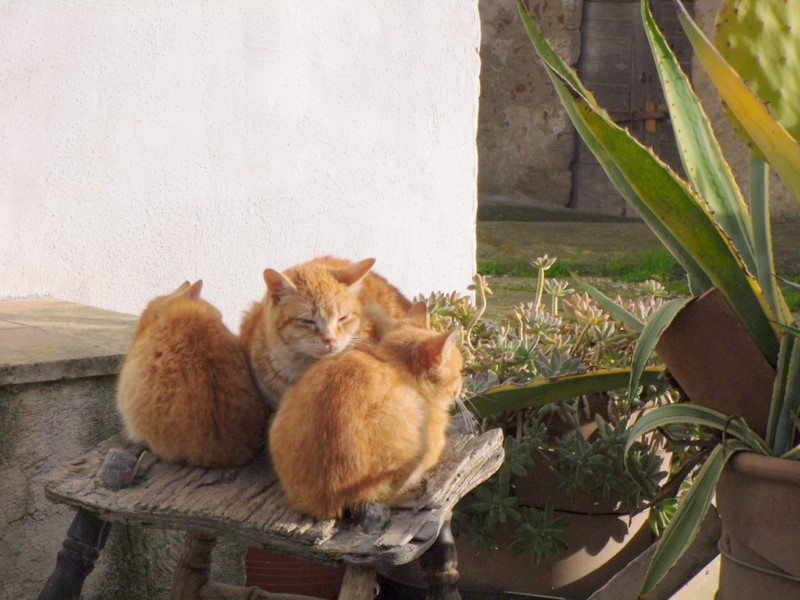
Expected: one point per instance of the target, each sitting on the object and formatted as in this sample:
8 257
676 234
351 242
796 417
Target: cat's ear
278 285
434 348
418 315
181 289
354 273
193 293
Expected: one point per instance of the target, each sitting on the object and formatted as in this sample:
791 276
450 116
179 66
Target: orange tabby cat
312 310
365 425
185 388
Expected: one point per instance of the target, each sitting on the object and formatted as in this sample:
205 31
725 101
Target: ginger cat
363 426
185 388
312 310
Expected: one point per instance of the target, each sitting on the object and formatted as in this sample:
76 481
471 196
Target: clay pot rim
766 467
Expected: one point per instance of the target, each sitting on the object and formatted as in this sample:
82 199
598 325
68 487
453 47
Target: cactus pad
761 40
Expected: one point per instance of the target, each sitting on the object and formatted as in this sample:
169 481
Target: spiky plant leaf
543 391
701 155
686 521
651 334
666 202
758 38
780 149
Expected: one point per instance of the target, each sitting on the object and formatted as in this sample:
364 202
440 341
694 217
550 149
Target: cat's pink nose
329 341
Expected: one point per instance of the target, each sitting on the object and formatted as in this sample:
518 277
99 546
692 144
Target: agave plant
705 222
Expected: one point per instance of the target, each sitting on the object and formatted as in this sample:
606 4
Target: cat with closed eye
313 310
362 427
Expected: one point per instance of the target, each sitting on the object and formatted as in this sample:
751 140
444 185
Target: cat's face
315 311
429 355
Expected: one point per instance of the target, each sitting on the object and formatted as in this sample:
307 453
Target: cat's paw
372 517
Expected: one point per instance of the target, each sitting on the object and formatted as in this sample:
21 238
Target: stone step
45 340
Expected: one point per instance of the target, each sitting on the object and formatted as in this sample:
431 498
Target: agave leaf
649 337
702 157
758 178
674 204
781 150
665 202
778 389
790 284
559 72
697 415
788 328
786 397
621 314
686 521
543 391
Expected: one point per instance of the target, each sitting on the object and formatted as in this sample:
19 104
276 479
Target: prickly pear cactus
761 40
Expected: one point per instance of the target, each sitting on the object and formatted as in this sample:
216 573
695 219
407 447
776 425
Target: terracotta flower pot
716 362
757 498
277 573
600 541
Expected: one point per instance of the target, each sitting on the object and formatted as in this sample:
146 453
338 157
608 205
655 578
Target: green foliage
756 45
556 342
655 264
541 533
705 222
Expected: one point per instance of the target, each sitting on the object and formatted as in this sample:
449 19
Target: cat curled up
185 388
312 310
363 426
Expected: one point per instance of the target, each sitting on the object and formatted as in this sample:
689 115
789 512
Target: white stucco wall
144 143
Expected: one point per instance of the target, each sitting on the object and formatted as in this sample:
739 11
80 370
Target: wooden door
616 64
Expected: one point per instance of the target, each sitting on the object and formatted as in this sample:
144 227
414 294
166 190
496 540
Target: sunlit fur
312 310
366 424
185 388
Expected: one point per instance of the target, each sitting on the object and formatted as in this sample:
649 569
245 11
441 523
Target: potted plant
563 514
725 247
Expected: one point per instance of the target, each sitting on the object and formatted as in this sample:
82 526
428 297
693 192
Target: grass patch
792 299
651 264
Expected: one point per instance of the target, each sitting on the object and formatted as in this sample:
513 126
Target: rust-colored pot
278 573
600 542
758 498
716 362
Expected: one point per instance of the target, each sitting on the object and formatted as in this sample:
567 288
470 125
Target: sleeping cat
363 426
312 310
185 387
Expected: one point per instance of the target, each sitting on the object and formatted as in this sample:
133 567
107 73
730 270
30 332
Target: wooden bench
117 482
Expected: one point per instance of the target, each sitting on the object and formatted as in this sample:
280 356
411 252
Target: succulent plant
761 41
535 348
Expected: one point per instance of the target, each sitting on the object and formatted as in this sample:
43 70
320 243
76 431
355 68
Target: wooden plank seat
118 482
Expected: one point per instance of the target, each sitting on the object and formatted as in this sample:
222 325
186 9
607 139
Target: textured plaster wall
525 138
144 143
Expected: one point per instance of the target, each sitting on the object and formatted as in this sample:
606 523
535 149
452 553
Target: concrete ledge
52 340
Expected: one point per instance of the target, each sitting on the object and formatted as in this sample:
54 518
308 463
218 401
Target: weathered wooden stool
118 483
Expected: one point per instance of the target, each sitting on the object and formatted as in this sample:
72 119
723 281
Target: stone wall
58 369
526 143
525 139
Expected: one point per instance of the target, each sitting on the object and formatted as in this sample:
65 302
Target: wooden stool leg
85 538
358 583
441 567
194 567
